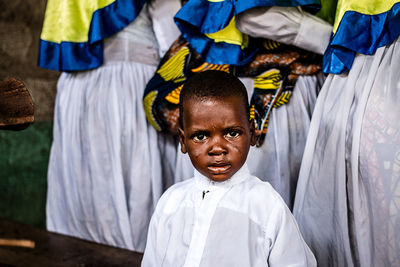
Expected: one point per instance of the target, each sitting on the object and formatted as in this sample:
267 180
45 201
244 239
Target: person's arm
285 243
288 25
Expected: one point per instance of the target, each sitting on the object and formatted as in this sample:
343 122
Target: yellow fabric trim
270 44
208 66
282 99
173 97
231 35
172 69
147 106
270 79
69 20
216 1
367 7
252 114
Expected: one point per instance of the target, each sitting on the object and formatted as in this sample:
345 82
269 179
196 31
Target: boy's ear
181 135
253 135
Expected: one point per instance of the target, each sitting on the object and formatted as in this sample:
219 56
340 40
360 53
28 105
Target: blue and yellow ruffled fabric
73 30
209 27
361 26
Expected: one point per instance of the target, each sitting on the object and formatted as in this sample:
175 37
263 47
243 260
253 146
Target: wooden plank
53 249
10 242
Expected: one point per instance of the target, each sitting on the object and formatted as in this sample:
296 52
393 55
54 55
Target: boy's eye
233 134
199 137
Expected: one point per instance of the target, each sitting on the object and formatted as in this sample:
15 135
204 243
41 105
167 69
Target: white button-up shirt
238 222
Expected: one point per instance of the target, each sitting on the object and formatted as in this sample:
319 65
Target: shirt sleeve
162 14
288 25
285 244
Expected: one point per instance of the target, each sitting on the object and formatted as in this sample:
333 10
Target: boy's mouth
219 168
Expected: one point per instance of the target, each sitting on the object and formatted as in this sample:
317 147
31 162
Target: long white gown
105 172
348 194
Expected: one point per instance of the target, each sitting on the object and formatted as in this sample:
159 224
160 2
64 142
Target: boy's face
217 135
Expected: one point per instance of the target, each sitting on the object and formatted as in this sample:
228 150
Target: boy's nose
217 147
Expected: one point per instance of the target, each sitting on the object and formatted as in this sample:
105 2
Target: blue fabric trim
113 18
208 17
217 53
360 33
198 17
70 56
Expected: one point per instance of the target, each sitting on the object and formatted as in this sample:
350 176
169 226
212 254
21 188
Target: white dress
238 222
278 160
105 172
348 194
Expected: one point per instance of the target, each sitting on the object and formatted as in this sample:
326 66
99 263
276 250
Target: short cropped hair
212 84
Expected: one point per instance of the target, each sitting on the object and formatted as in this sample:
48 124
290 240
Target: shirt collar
203 182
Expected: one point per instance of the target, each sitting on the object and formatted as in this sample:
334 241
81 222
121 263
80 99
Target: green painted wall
24 157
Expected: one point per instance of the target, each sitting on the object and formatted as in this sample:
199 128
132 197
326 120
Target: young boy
223 216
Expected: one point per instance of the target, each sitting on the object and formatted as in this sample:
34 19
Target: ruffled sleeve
210 28
361 26
73 31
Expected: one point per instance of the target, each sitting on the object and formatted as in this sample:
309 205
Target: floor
43 248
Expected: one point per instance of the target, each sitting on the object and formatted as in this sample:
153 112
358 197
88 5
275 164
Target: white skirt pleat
105 173
348 194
